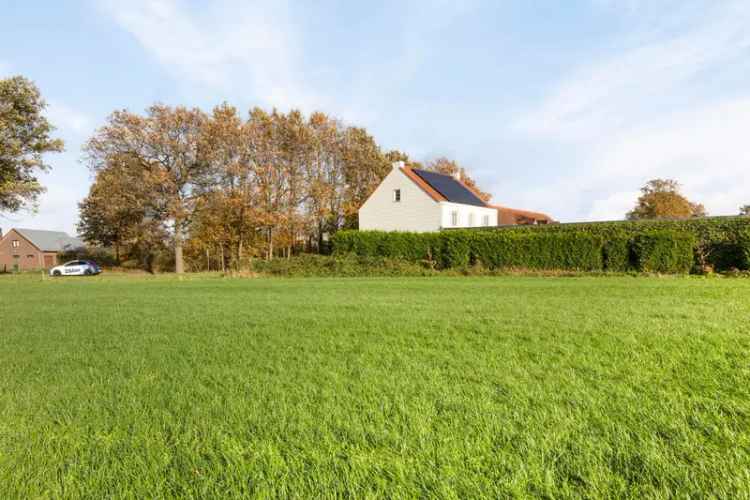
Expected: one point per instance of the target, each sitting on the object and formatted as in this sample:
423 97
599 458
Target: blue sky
564 107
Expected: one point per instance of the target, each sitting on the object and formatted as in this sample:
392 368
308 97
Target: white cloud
614 92
705 149
230 46
652 111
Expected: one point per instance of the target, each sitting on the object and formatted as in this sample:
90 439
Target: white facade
399 204
466 215
415 211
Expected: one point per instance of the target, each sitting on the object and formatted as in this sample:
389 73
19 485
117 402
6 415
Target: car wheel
56 273
88 272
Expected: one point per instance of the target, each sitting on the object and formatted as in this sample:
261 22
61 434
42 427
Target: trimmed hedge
618 254
719 237
664 252
493 250
653 251
744 249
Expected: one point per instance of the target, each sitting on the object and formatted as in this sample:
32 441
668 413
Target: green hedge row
655 251
718 240
309 265
664 252
744 245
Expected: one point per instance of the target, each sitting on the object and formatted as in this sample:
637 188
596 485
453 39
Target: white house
417 200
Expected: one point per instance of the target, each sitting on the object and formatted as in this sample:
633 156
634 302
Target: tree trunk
179 262
270 243
223 265
239 255
117 253
208 260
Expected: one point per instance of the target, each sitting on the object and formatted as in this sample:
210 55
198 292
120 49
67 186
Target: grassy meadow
210 387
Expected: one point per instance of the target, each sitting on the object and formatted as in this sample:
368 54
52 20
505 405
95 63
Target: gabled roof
441 187
50 241
512 216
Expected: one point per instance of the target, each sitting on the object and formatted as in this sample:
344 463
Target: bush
308 265
743 245
101 256
668 252
493 250
618 254
717 236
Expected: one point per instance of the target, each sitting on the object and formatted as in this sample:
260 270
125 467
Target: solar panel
449 187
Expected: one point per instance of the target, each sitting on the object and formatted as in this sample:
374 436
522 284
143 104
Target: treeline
216 190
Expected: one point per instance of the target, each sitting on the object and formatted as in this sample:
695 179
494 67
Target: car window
73 264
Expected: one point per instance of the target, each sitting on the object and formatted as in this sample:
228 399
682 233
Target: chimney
397 164
457 175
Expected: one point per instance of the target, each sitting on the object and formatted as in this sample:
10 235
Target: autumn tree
166 146
24 139
227 217
326 178
231 187
115 205
443 165
395 155
661 199
365 166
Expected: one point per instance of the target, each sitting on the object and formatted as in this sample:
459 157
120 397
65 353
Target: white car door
73 268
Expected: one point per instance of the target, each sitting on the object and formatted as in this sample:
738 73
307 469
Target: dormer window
396 195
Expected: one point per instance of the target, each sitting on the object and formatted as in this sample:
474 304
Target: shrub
743 246
101 256
617 254
350 265
668 252
717 236
493 250
454 249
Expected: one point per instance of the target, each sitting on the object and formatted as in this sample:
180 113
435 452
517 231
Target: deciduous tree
24 139
117 202
661 199
166 144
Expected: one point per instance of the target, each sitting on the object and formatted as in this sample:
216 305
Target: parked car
76 268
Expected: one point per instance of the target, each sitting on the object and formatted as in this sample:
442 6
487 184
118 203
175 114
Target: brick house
29 249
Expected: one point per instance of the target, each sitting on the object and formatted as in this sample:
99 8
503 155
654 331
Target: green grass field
447 387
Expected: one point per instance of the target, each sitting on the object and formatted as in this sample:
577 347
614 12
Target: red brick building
29 249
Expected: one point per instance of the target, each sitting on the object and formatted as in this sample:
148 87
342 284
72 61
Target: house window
471 219
485 220
396 195
15 243
29 256
454 218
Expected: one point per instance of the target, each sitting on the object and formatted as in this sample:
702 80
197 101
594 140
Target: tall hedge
618 254
664 251
494 250
744 249
718 237
650 251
